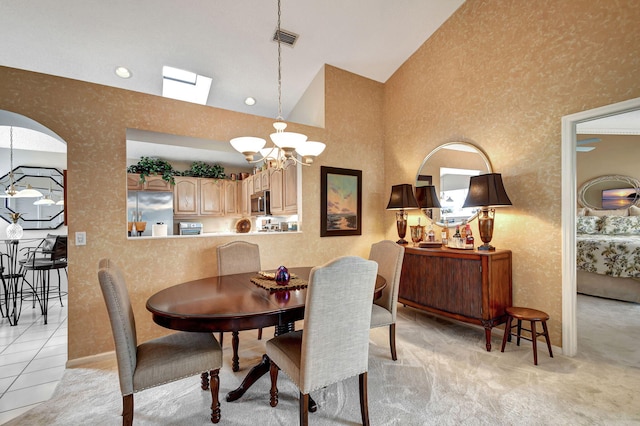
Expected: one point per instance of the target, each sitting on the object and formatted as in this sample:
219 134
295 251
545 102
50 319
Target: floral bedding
609 245
613 255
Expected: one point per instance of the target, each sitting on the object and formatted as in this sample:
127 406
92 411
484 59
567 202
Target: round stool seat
527 314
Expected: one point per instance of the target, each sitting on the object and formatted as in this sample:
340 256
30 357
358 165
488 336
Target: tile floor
32 358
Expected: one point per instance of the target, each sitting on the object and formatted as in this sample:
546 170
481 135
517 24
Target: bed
608 254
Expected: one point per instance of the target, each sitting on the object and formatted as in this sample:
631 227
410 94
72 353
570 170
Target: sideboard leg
488 325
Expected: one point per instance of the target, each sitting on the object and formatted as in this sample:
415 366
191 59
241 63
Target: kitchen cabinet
277 191
290 187
186 196
257 182
212 195
231 197
245 195
264 180
151 183
465 285
205 197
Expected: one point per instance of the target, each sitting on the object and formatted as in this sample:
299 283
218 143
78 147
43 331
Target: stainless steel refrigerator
152 207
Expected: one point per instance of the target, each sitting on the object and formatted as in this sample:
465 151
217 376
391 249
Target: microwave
260 205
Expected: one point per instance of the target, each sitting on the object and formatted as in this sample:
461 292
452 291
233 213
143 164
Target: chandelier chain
279 68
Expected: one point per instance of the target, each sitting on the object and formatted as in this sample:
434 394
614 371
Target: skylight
185 85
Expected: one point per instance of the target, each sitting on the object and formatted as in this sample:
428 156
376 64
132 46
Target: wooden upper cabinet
277 195
257 182
265 180
185 196
156 183
133 182
245 194
151 183
290 187
231 197
212 195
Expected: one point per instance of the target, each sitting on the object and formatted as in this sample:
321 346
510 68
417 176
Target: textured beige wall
499 73
614 155
502 74
93 120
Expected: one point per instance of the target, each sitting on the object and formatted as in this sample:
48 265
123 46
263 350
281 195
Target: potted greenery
153 166
204 170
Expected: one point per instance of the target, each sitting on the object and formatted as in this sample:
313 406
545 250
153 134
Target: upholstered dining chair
238 257
389 256
334 344
158 361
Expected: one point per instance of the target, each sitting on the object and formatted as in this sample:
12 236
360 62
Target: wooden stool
531 315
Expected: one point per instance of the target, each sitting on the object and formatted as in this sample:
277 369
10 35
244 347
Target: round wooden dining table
233 303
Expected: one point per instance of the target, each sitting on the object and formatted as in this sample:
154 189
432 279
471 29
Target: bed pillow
634 211
617 225
588 224
618 212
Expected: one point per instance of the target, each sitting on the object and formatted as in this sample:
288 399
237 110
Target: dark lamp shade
402 197
427 197
485 191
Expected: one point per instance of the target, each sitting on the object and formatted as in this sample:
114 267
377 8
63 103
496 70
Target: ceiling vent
286 37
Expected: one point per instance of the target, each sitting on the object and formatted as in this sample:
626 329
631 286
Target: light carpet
443 376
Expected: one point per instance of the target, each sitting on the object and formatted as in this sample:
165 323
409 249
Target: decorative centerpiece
14 230
282 276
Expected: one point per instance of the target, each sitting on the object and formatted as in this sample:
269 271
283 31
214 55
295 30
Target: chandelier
11 191
285 144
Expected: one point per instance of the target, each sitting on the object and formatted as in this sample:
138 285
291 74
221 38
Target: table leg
235 342
254 374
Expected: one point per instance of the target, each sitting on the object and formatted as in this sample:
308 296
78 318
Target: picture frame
340 202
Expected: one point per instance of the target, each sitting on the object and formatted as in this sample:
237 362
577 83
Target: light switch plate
81 238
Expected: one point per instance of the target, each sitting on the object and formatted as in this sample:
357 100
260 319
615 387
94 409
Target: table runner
295 283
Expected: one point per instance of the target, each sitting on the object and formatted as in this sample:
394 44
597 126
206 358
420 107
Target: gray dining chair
238 257
334 344
158 361
389 257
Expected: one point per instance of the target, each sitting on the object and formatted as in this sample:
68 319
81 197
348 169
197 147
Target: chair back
335 340
389 256
59 249
238 257
53 247
123 324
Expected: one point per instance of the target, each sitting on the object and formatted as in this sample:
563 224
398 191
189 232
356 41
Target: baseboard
85 361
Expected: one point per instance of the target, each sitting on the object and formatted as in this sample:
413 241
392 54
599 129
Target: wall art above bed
610 192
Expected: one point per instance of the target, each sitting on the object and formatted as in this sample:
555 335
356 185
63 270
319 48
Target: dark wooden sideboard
466 285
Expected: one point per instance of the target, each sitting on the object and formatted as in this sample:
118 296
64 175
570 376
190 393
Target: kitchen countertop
217 234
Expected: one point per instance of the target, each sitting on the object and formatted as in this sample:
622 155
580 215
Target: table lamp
427 199
486 191
402 199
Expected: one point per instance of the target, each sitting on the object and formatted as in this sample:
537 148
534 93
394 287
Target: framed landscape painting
340 202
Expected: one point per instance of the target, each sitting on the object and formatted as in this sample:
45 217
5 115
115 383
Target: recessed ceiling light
250 101
123 72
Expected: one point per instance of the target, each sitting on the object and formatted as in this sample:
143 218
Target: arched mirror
449 168
610 193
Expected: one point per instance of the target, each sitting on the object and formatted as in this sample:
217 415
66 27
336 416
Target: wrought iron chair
50 254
